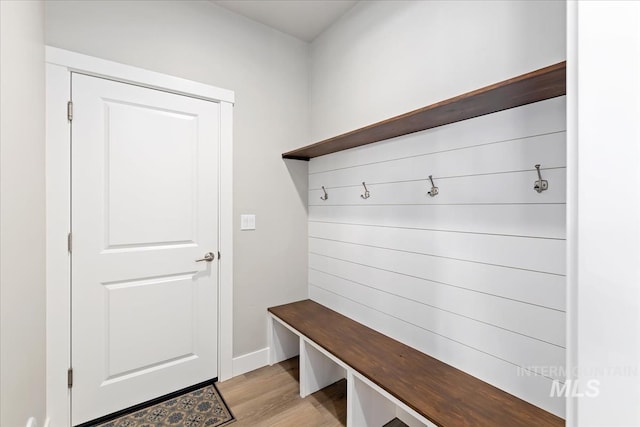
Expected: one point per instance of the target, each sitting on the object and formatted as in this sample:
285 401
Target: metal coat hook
366 194
434 190
541 184
326 196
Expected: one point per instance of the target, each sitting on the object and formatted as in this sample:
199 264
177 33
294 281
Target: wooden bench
387 379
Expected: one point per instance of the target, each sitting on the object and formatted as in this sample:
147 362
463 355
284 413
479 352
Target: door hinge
70 110
69 377
69 241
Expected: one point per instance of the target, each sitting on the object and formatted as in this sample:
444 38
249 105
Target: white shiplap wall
474 276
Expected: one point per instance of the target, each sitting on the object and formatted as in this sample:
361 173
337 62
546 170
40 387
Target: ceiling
303 19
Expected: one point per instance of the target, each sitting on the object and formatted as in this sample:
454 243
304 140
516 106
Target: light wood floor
270 397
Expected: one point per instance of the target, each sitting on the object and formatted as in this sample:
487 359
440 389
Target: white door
144 209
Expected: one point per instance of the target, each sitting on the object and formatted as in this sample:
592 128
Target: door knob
209 256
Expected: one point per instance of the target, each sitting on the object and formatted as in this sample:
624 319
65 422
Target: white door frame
59 65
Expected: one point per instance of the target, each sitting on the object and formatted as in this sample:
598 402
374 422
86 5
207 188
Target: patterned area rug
203 407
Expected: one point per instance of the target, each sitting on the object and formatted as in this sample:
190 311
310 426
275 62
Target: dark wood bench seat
442 394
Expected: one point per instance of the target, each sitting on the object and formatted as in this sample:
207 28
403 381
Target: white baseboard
250 361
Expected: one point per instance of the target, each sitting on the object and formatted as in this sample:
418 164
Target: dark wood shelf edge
545 83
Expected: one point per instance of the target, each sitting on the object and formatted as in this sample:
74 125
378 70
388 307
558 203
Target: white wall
604 212
474 276
268 72
384 58
477 279
22 204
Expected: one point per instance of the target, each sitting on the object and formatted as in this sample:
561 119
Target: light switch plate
247 222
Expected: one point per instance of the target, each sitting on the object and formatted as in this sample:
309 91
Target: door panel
127 304
144 208
158 206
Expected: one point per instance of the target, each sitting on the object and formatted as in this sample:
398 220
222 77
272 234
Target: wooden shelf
535 86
